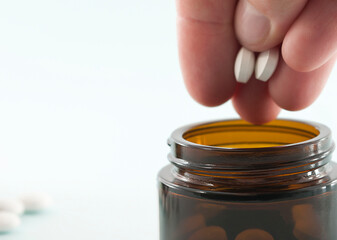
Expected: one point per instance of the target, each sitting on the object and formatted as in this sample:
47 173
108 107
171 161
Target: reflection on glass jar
230 180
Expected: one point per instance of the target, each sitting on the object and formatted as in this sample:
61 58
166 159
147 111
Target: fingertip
261 25
257 119
296 55
212 89
253 103
292 106
210 99
253 117
311 41
293 90
252 27
207 49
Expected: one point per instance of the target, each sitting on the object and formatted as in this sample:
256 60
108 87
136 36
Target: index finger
207 48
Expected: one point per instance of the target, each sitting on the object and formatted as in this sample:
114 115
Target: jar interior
241 134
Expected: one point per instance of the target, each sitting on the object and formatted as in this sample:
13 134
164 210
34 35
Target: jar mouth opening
239 134
237 144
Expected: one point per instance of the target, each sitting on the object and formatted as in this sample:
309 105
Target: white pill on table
36 201
266 64
11 205
244 65
8 221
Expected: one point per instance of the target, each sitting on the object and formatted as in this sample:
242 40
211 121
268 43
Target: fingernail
255 26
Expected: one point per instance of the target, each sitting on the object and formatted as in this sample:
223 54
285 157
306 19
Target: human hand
210 33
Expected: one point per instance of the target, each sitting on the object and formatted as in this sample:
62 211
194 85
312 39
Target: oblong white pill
266 64
244 65
9 221
11 205
36 201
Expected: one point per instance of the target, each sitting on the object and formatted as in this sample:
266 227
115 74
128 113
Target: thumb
262 24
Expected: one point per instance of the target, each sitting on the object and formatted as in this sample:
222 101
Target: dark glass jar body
230 180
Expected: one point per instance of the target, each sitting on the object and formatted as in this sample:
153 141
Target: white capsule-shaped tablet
11 205
244 65
8 221
254 234
266 64
34 202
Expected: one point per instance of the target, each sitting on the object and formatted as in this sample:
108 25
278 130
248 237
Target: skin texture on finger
253 102
293 90
312 39
207 49
262 24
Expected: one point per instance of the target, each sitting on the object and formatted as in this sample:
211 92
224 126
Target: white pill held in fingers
8 221
36 201
244 65
11 205
266 64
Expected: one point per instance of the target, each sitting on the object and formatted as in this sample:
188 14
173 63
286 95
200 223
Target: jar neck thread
285 167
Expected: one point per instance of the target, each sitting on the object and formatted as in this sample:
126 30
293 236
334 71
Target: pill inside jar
231 180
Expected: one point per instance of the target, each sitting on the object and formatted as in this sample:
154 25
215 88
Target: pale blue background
89 93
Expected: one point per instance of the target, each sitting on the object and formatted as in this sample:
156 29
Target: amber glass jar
231 180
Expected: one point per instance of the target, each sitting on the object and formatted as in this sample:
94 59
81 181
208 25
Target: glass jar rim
185 153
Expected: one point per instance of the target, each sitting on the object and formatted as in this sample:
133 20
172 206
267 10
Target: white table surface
89 93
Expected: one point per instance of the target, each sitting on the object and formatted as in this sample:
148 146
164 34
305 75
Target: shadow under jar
231 180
